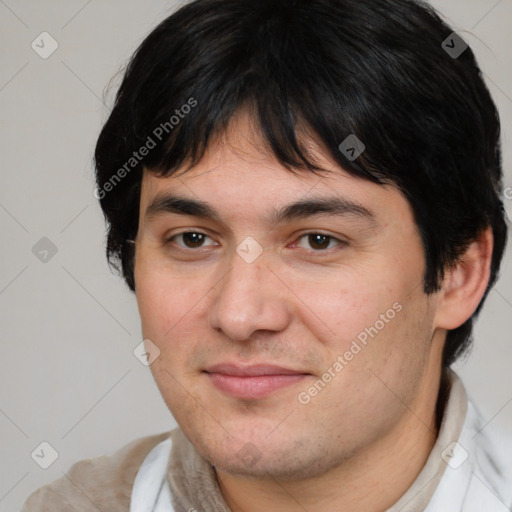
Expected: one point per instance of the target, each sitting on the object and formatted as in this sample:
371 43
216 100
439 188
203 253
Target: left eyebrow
334 206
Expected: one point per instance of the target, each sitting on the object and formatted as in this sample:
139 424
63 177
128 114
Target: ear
464 285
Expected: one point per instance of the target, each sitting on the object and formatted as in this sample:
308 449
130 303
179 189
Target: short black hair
374 69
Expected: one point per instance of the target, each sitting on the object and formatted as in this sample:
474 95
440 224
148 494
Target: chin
282 456
284 465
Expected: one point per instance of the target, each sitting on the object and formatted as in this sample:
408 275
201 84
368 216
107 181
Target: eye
191 239
320 241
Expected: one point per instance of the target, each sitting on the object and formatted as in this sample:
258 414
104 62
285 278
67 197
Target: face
285 340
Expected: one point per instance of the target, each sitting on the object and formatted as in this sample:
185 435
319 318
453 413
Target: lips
252 382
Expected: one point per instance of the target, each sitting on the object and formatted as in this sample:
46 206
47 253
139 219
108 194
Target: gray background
68 375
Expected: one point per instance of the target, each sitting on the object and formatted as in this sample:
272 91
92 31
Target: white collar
151 491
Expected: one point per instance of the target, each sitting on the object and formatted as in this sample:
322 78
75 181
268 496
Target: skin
363 438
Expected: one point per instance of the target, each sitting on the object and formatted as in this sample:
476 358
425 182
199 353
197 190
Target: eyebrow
335 206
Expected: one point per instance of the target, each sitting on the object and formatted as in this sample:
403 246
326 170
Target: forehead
240 176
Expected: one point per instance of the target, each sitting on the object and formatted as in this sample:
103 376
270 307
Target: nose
249 298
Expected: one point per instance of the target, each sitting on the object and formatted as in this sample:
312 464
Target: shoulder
100 483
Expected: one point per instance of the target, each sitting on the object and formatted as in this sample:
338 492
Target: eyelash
341 243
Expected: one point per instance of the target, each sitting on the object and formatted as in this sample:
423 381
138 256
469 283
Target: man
305 198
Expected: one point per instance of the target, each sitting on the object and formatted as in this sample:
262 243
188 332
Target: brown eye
191 239
319 242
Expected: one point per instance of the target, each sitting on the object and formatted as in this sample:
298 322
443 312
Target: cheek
168 309
339 307
164 302
153 300
174 316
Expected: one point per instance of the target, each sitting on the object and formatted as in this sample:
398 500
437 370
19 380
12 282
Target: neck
372 480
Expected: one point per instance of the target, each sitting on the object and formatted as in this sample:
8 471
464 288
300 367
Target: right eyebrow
163 204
